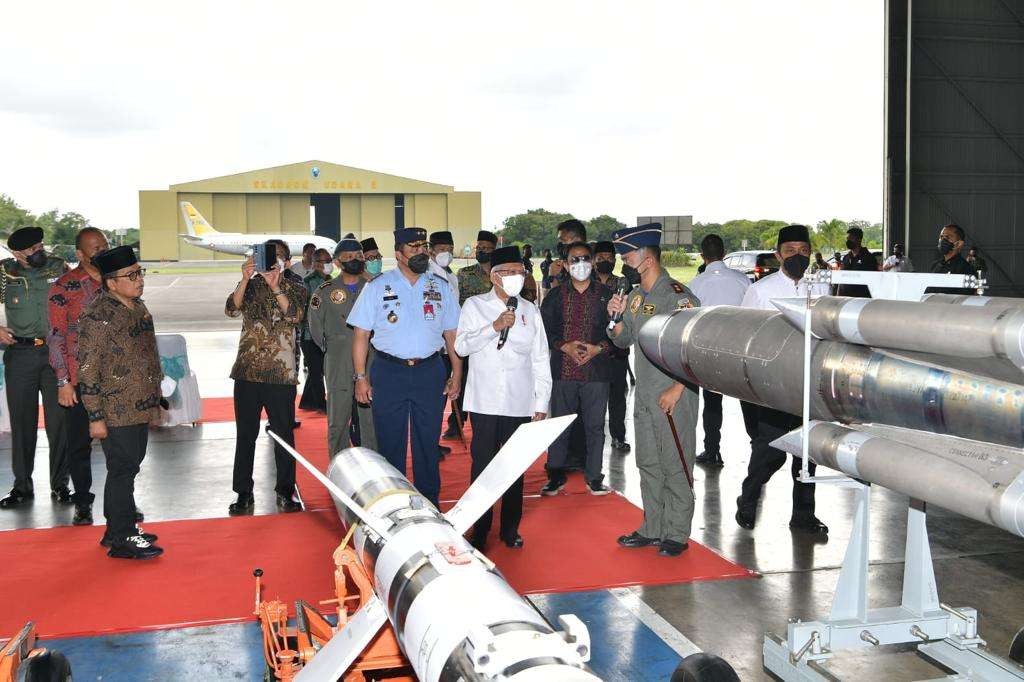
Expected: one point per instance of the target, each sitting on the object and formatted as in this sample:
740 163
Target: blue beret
632 238
347 243
409 235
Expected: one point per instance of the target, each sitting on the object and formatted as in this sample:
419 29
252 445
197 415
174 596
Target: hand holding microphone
506 320
618 304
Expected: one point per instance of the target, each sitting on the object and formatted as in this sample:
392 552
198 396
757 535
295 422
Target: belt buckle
410 362
38 342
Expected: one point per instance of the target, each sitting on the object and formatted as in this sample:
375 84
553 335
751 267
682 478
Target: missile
974 301
978 480
454 615
757 356
967 331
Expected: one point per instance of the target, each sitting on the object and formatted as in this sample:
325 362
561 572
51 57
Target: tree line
59 228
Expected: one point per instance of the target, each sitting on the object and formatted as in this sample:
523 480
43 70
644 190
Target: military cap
112 260
604 247
486 236
443 237
408 235
794 233
347 243
506 254
629 239
24 237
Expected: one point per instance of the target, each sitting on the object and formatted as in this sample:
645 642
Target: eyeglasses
580 259
132 276
377 257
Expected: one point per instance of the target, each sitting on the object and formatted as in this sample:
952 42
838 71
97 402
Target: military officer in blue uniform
412 314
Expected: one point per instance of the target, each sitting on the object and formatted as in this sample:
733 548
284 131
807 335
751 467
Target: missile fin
331 662
794 310
515 457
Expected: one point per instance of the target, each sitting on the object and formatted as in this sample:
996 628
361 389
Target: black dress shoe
745 516
444 450
139 516
61 495
513 541
245 504
672 548
14 499
451 433
135 547
83 515
810 525
705 458
287 504
634 539
108 541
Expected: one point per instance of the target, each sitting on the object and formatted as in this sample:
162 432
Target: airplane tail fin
195 223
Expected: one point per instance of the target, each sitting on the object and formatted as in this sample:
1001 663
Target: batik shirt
266 349
473 281
119 371
69 296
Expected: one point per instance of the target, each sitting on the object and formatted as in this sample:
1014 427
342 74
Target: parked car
753 264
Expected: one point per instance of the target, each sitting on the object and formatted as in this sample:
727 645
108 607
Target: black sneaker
245 504
134 547
61 495
108 541
598 488
83 515
553 486
287 504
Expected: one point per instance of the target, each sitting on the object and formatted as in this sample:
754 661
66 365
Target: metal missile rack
948 636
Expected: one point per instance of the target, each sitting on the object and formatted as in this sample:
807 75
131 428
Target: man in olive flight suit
667 498
328 314
24 290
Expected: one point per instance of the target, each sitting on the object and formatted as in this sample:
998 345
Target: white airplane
202 234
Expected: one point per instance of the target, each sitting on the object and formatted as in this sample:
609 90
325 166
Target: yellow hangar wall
275 200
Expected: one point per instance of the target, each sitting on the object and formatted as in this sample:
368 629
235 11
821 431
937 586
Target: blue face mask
374 266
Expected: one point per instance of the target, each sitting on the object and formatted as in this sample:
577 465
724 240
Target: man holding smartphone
265 372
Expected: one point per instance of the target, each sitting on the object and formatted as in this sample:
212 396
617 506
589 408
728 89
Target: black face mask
483 256
850 244
37 259
353 267
631 274
796 265
419 263
898 253
605 267
945 247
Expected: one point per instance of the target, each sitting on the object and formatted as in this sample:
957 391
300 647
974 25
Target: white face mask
280 265
580 271
443 258
513 284
328 268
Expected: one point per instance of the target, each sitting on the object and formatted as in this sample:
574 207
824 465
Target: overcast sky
719 109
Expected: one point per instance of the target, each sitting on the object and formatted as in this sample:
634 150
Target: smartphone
264 256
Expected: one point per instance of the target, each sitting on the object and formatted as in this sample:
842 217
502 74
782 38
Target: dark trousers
490 433
589 400
407 400
617 390
712 420
750 411
457 403
766 460
79 451
278 400
313 396
27 373
124 448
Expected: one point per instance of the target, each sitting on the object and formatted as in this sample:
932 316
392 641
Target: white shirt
514 381
778 285
892 264
453 280
719 285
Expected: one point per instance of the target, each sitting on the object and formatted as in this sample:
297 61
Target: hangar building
309 197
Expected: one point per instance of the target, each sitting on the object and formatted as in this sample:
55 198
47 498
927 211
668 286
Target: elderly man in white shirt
509 380
794 252
719 285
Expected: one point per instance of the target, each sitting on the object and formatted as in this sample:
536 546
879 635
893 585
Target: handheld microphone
512 304
621 291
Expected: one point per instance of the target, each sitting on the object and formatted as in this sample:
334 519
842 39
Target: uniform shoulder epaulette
677 287
326 284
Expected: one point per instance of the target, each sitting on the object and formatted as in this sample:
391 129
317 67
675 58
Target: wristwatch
357 377
61 383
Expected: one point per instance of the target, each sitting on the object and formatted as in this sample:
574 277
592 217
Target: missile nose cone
793 309
650 334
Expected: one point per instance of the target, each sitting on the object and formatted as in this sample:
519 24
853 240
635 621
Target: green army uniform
329 308
24 292
472 282
667 498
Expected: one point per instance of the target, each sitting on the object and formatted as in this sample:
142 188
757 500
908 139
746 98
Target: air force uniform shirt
514 381
777 285
719 285
407 320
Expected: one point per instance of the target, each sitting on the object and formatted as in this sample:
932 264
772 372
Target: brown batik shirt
119 371
266 349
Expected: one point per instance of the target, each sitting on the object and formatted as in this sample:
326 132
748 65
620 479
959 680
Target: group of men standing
84 340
